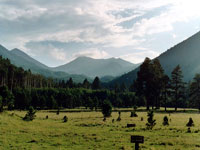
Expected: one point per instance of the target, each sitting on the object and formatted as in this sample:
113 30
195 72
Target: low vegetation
87 130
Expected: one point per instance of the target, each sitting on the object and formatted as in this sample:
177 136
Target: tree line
158 89
20 89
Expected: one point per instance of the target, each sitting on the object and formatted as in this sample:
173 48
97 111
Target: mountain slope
186 54
21 59
28 58
97 67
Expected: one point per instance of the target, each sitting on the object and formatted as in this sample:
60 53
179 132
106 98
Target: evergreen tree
96 84
165 121
190 123
177 85
123 87
96 103
195 91
165 90
151 121
30 114
86 84
144 81
149 82
106 108
65 119
157 82
70 83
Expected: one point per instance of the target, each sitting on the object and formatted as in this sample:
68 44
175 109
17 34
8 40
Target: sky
56 32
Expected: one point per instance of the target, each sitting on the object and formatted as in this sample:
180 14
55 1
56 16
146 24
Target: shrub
189 130
151 122
1 104
30 114
165 121
65 119
113 120
119 117
58 111
142 119
104 119
190 123
133 114
106 108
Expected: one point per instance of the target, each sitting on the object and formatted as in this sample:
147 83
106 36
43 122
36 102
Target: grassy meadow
88 131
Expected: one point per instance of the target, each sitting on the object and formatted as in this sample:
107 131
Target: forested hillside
186 54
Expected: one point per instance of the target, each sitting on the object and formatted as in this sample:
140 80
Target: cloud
138 57
48 54
93 53
101 24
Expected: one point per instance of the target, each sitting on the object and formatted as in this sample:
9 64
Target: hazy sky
57 31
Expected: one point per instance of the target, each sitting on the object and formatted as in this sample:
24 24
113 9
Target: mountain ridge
21 59
186 54
97 67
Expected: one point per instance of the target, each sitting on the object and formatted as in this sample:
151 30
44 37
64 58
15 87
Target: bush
65 119
133 114
165 121
106 108
119 117
1 104
189 130
151 122
58 111
142 119
30 114
190 123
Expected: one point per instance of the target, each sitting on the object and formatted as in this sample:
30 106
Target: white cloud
93 53
88 21
138 57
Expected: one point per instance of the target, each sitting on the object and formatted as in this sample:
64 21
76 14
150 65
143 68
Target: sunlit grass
86 130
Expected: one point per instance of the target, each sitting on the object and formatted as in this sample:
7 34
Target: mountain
97 67
186 54
27 58
21 59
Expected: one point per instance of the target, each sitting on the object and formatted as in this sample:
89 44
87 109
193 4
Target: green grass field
86 130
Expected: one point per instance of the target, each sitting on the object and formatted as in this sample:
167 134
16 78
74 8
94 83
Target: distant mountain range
78 69
21 59
97 67
186 54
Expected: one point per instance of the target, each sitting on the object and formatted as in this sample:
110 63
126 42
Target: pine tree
70 83
65 119
30 114
165 121
106 108
149 82
195 91
190 123
96 84
177 85
86 84
157 82
165 90
151 121
143 82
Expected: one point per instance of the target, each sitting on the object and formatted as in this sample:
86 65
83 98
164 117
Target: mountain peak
97 67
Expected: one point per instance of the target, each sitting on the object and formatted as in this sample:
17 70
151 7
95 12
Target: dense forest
20 89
